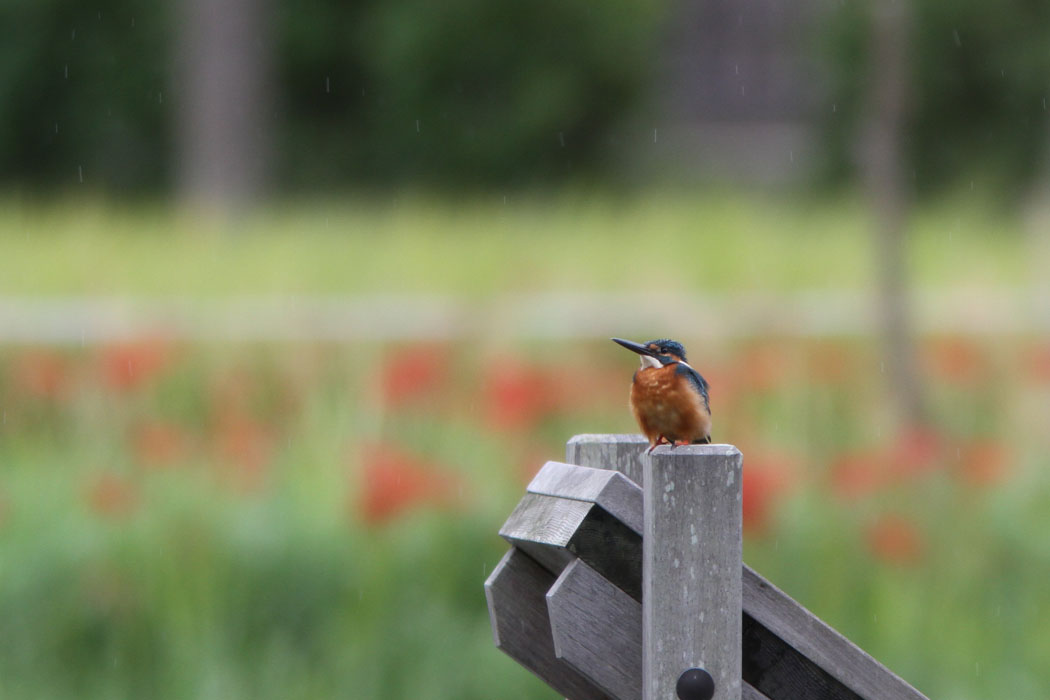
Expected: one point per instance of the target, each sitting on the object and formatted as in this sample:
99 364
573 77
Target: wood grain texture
747 692
787 652
618 495
782 630
516 595
597 629
621 452
555 530
691 562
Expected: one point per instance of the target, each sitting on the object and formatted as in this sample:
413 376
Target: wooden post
624 453
567 600
691 563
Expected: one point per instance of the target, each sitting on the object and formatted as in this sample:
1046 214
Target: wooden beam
516 595
787 648
748 692
597 629
691 562
554 531
618 495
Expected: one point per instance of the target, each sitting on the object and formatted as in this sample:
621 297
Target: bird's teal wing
698 382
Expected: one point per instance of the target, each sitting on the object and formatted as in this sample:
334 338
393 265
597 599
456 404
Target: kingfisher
668 397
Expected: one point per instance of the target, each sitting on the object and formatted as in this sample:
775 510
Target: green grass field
315 520
722 241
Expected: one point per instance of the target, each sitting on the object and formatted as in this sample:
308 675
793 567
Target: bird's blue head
667 348
655 353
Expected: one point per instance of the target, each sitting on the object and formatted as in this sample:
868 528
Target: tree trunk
886 180
1037 229
224 80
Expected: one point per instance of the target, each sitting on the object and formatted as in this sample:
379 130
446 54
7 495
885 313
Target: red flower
244 448
158 443
413 373
916 451
517 396
859 474
956 360
111 495
1038 363
127 366
395 482
42 374
766 479
895 539
984 463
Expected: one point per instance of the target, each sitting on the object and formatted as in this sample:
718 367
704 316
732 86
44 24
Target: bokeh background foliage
310 511
488 93
977 97
202 519
464 91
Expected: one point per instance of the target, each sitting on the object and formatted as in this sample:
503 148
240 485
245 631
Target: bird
669 398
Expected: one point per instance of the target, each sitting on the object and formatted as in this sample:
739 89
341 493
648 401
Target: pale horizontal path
93 319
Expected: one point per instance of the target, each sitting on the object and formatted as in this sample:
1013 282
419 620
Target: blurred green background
295 298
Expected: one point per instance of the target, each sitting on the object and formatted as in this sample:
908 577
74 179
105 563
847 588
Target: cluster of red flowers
895 539
514 398
237 443
396 481
45 373
978 462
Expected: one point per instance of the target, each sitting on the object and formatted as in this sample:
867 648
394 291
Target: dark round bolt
695 684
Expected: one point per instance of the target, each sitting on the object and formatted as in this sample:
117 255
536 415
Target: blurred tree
225 54
459 92
83 93
889 189
978 73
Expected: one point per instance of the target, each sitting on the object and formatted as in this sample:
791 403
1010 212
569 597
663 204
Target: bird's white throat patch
649 361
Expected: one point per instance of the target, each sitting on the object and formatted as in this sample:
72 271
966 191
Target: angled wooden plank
748 692
777 616
691 562
543 526
597 629
781 672
554 531
777 652
621 452
516 595
609 489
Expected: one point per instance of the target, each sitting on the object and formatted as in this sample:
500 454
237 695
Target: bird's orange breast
665 404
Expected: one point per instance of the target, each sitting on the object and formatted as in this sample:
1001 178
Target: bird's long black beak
634 347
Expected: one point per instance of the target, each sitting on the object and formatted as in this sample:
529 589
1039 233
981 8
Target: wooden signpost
612 591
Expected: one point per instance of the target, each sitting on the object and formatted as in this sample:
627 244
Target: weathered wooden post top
614 591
